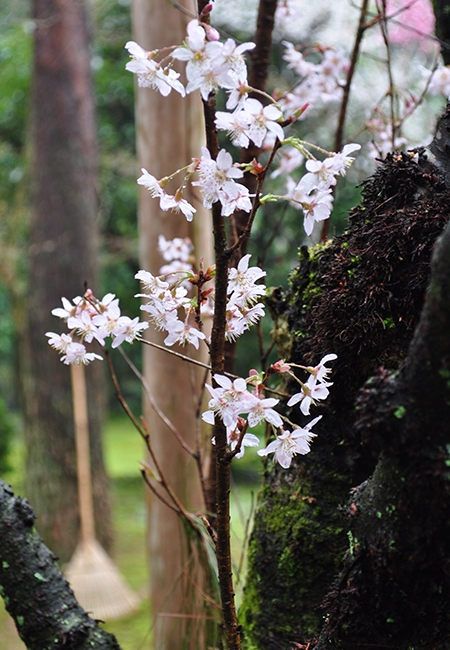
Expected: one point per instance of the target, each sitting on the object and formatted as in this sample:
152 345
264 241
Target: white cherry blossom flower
59 341
166 201
315 206
251 122
183 333
150 74
243 277
85 327
236 124
175 249
127 329
177 204
152 284
205 68
228 400
262 410
233 59
310 392
68 309
321 371
151 183
290 443
77 354
217 181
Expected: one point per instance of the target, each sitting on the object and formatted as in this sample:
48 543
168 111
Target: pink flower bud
211 33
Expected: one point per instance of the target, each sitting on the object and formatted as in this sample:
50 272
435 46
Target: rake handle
80 413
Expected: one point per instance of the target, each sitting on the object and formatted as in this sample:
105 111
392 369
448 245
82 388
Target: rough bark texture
359 297
35 593
63 255
395 587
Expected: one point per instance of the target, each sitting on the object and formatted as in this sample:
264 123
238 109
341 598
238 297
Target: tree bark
360 297
36 595
441 10
169 133
63 256
395 587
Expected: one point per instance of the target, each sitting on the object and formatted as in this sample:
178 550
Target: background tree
169 133
63 256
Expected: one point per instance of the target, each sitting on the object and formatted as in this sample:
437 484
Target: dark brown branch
36 594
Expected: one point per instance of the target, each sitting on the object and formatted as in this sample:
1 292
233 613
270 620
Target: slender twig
175 354
141 428
256 202
384 33
156 493
338 138
155 406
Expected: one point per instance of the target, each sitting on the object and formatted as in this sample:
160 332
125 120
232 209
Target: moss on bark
359 297
35 593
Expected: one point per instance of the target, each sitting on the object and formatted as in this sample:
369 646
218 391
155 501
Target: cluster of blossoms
231 400
165 299
322 81
92 319
211 65
178 253
313 193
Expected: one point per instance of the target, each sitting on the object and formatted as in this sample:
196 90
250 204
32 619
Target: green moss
285 583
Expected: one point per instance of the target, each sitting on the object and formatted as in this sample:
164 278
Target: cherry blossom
59 342
290 443
321 372
149 72
228 400
181 332
217 182
316 206
205 69
241 280
76 354
310 392
262 410
175 249
251 122
166 201
325 171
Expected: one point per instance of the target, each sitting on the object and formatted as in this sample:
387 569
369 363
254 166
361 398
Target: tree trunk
395 587
63 255
359 297
36 595
169 135
441 10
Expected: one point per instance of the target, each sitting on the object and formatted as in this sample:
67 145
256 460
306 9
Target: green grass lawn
123 451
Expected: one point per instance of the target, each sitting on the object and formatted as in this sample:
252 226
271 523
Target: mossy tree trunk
395 587
360 297
35 593
63 256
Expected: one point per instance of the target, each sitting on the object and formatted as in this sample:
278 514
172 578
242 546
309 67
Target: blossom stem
217 353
